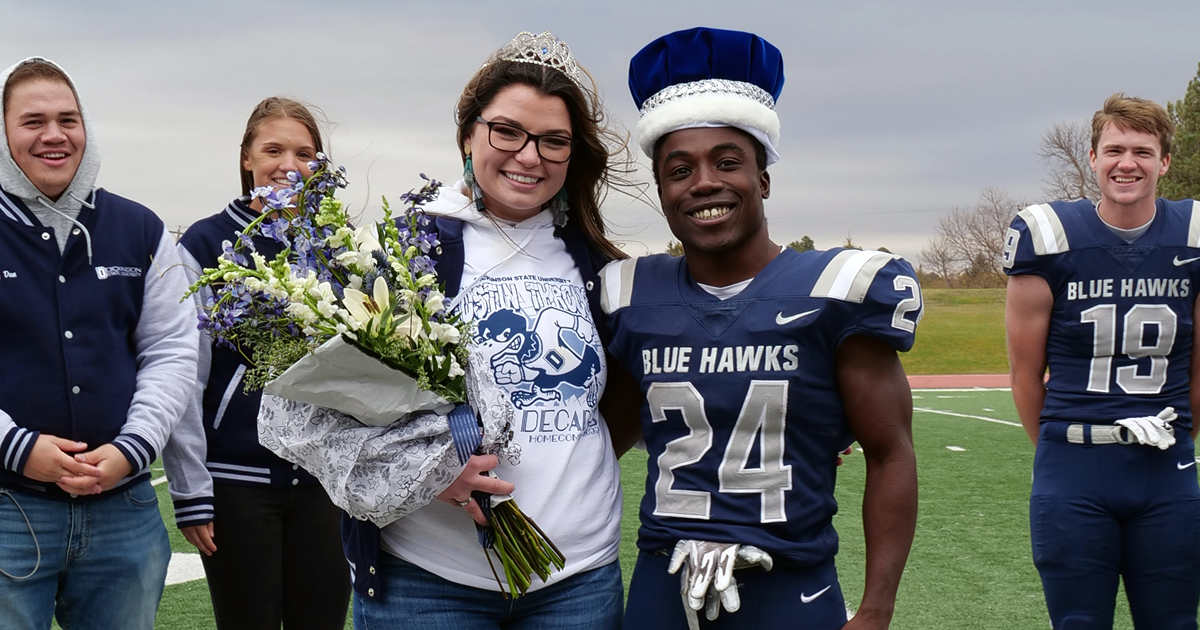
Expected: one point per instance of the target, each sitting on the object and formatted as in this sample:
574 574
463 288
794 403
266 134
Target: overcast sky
892 114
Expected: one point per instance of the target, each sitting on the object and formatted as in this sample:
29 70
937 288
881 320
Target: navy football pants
1099 512
779 598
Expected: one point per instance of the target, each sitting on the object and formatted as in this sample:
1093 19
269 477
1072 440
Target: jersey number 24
763 416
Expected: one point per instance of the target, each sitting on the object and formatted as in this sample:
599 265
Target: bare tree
970 243
941 260
1065 148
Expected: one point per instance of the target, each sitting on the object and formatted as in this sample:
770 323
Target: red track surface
957 381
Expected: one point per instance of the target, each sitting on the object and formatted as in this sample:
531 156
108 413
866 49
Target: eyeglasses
506 137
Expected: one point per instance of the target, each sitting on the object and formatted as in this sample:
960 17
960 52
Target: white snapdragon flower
408 327
436 302
444 332
301 311
366 239
327 308
341 238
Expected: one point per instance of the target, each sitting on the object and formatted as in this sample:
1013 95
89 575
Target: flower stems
523 548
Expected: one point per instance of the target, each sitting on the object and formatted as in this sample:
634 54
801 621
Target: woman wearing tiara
267 530
521 242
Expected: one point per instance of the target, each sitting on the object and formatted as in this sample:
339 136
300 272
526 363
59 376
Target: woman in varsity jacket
267 530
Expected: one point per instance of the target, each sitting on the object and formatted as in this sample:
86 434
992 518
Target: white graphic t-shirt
526 298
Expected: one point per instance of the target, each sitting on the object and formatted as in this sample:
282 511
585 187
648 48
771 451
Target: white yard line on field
964 415
159 481
184 567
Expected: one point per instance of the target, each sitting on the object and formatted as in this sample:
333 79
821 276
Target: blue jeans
92 564
415 598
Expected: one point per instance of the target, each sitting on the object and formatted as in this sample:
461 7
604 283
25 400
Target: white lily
367 311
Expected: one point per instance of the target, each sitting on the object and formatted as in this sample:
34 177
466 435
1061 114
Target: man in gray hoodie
97 357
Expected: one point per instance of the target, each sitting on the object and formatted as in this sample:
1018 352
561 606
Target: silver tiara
544 50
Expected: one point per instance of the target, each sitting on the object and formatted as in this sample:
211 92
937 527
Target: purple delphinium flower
276 230
232 255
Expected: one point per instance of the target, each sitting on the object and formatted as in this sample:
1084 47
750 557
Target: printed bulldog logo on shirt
543 350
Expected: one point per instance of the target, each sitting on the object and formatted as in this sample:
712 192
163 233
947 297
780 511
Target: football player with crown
757 364
1103 295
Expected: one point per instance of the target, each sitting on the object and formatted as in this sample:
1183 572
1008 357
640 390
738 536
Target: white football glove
1152 430
707 580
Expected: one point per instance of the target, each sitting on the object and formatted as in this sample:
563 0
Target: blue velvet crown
707 77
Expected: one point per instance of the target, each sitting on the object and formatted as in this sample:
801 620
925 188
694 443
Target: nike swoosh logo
781 320
1185 261
805 599
1187 465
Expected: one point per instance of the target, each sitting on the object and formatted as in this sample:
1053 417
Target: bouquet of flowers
354 320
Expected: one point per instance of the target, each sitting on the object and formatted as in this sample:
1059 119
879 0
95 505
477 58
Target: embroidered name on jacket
104 273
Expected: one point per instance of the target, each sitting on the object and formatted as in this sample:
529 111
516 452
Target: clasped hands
74 469
1152 430
707 580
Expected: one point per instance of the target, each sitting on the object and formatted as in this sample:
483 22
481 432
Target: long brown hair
268 108
600 157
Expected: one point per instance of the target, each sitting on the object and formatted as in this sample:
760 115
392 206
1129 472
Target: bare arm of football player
878 406
621 407
1194 374
1027 308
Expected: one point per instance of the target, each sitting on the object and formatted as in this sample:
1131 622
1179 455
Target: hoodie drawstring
86 235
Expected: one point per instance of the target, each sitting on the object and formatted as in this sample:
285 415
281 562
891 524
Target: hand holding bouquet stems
355 320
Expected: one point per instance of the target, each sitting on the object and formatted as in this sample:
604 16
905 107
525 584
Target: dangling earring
560 207
469 179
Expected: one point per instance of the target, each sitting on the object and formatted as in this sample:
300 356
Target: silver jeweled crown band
707 86
544 50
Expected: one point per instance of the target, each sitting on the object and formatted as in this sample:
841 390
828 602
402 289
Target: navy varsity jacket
77 342
228 411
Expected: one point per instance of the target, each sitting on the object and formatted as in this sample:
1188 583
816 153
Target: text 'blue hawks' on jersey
1121 327
743 420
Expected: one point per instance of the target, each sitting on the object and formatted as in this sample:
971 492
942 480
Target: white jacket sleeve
183 458
165 341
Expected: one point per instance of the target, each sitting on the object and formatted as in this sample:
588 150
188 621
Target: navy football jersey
1121 328
742 417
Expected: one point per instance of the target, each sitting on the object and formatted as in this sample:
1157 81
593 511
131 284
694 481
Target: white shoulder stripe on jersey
1047 231
848 276
1194 226
616 285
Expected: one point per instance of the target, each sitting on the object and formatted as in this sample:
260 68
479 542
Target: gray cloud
893 113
